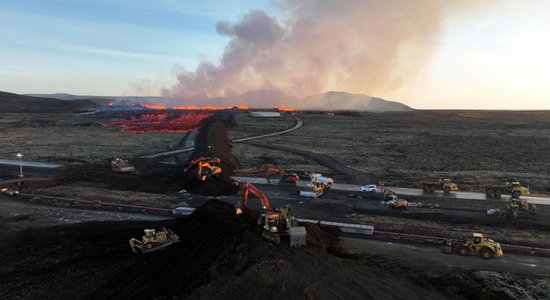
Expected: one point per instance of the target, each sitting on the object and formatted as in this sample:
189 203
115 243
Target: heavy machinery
319 178
513 188
477 243
122 166
153 240
276 223
317 190
394 201
442 184
513 208
291 178
207 167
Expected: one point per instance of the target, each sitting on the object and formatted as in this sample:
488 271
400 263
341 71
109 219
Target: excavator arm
292 178
249 188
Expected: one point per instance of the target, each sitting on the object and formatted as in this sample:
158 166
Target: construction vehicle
513 208
511 188
442 184
477 243
207 167
153 240
319 178
122 166
395 202
291 178
316 191
276 223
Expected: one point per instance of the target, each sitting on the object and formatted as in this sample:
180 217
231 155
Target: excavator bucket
297 236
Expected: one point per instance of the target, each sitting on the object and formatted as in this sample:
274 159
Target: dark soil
220 256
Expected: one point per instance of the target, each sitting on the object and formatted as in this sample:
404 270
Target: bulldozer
394 201
207 167
122 166
477 243
515 205
286 178
275 223
153 240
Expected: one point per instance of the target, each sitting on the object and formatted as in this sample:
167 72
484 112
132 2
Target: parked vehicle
369 188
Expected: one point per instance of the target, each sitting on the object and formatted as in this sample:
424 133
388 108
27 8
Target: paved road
32 164
407 191
298 125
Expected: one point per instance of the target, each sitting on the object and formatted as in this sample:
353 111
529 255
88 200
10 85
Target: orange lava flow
153 106
164 122
285 109
208 107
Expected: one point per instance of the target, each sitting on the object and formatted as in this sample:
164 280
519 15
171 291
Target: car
371 188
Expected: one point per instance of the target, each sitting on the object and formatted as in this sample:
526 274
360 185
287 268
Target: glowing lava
153 106
163 122
285 109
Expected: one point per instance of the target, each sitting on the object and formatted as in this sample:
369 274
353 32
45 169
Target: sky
496 57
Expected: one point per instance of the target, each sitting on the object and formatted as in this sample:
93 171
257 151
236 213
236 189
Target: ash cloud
360 46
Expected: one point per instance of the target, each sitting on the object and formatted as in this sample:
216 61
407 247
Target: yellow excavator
153 240
276 223
477 243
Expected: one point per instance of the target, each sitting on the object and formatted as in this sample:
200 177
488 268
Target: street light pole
20 165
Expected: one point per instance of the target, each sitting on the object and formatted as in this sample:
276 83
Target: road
298 125
422 256
26 164
188 147
17 215
407 191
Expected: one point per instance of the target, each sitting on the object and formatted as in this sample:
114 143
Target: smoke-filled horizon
363 46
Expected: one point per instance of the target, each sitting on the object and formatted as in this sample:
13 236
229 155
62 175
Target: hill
262 99
347 101
14 103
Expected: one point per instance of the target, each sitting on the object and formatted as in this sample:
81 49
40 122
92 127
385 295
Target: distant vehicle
326 181
515 189
369 188
122 166
10 192
442 184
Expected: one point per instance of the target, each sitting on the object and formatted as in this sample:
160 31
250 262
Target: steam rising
361 46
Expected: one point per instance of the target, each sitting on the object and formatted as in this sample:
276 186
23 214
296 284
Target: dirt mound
212 141
220 256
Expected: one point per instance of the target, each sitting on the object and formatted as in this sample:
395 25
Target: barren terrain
64 138
472 147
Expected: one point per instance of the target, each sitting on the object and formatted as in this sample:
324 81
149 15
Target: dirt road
418 256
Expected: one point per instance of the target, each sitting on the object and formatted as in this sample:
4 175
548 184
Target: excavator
291 178
275 223
477 243
207 167
154 240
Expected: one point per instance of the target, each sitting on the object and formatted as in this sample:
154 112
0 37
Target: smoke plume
360 46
